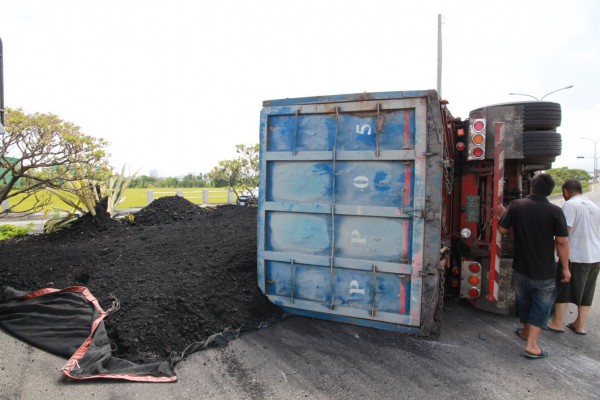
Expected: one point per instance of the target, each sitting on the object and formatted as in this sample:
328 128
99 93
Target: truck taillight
470 280
477 139
475 267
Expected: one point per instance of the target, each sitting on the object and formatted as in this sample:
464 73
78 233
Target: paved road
477 357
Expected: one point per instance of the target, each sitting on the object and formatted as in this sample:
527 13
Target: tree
563 174
40 151
240 172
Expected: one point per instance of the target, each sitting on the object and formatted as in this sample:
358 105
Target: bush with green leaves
8 231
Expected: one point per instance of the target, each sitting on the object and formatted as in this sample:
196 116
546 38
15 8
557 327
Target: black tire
542 152
541 142
541 135
541 147
541 115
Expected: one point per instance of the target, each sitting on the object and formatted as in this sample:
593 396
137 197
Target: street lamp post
544 96
594 179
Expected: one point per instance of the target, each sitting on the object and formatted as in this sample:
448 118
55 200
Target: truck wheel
543 151
541 147
541 115
541 136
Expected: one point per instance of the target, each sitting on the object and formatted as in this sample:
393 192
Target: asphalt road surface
478 356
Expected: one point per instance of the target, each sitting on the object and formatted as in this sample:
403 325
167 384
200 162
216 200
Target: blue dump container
350 208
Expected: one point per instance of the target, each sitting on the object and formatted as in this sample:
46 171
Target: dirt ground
180 273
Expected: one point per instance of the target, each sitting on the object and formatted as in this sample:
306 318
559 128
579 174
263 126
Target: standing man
583 223
538 228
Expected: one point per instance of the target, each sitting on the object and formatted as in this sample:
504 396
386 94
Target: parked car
247 197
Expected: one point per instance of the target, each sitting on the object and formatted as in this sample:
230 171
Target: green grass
137 198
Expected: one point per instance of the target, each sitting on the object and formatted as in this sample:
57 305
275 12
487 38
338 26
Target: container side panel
373 183
354 288
358 131
301 132
298 281
298 233
373 238
300 182
278 278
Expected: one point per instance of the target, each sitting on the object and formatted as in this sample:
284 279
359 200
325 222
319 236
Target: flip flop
554 330
518 333
532 356
572 327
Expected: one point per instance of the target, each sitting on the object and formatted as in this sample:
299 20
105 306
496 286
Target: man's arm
500 210
562 248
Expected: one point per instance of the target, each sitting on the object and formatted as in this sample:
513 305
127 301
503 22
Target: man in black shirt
538 228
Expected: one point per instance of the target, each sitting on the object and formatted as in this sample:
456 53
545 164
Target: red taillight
477 139
477 152
455 271
478 125
460 146
470 279
475 267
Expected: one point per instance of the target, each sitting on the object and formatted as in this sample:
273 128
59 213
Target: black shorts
580 290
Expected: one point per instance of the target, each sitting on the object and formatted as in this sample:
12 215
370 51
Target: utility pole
2 131
439 56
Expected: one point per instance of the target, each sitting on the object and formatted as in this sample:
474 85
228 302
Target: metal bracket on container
333 198
294 152
414 213
373 290
292 273
378 129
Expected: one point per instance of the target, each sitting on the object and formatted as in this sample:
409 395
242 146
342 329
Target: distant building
154 173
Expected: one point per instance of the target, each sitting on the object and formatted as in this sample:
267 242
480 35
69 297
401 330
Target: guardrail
205 195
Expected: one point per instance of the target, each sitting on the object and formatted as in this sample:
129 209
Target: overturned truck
374 206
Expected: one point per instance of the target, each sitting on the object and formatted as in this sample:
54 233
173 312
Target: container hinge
430 215
425 273
428 154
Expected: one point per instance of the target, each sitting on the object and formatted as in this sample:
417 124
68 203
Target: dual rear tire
541 143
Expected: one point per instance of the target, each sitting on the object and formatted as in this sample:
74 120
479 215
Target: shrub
8 231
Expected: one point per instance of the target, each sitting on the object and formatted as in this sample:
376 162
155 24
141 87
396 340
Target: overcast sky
175 85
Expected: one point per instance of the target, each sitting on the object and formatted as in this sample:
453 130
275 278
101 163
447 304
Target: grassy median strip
137 198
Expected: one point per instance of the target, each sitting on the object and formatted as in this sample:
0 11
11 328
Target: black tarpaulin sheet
69 323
